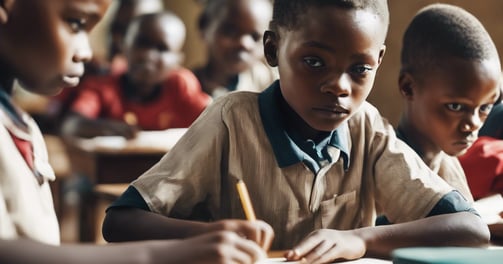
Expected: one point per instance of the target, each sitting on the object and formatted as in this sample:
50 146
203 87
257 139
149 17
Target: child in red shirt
155 93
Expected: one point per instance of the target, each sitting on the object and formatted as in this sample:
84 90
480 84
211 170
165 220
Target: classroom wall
385 93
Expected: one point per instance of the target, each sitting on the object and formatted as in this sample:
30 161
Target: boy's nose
339 86
473 123
246 42
83 51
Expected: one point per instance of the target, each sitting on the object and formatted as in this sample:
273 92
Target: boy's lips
464 143
335 109
71 81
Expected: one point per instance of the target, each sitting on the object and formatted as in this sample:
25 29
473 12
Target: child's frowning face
327 65
449 104
45 43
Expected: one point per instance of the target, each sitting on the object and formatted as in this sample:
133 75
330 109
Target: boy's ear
381 54
271 48
406 85
5 6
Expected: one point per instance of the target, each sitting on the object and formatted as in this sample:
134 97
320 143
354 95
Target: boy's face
45 43
449 104
234 35
153 48
328 64
126 11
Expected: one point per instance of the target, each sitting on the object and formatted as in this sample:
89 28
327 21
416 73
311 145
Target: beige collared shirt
449 169
228 142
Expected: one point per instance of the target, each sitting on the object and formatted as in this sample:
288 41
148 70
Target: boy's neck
139 92
215 74
424 147
6 79
293 122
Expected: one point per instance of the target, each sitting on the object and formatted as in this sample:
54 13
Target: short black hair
212 9
289 13
165 16
439 31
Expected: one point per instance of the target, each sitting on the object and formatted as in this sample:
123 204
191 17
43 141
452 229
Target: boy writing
155 93
318 160
46 56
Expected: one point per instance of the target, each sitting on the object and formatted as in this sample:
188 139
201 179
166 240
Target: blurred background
385 93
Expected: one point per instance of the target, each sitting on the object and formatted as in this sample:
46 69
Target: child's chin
457 153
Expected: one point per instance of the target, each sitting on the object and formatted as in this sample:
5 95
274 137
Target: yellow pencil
245 200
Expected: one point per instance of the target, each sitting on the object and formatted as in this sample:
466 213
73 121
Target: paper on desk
356 261
489 208
162 140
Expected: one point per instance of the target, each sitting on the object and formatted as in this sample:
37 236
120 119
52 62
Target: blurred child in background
114 62
155 93
232 31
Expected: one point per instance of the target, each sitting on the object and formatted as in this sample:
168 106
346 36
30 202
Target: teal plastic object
447 255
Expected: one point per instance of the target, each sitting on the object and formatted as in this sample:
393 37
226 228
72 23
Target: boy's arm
456 229
77 125
216 247
130 224
129 218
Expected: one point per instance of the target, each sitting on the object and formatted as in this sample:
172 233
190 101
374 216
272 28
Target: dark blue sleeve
130 198
453 202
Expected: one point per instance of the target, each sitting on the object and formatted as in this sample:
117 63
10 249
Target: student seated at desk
48 56
232 32
449 80
155 93
319 160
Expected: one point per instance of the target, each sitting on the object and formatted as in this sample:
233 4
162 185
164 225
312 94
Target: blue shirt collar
287 152
10 109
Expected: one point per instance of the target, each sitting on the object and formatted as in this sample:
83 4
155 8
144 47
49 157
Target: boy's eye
314 62
361 69
229 31
256 36
485 109
77 24
454 107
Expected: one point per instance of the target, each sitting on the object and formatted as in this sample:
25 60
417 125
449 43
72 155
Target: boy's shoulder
368 116
238 100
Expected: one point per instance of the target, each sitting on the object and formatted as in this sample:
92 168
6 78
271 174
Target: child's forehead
326 18
224 9
333 22
162 23
458 77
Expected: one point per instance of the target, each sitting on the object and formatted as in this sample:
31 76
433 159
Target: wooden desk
113 160
117 160
277 257
104 195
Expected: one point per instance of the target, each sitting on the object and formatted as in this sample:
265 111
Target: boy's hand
213 247
326 245
119 128
258 231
